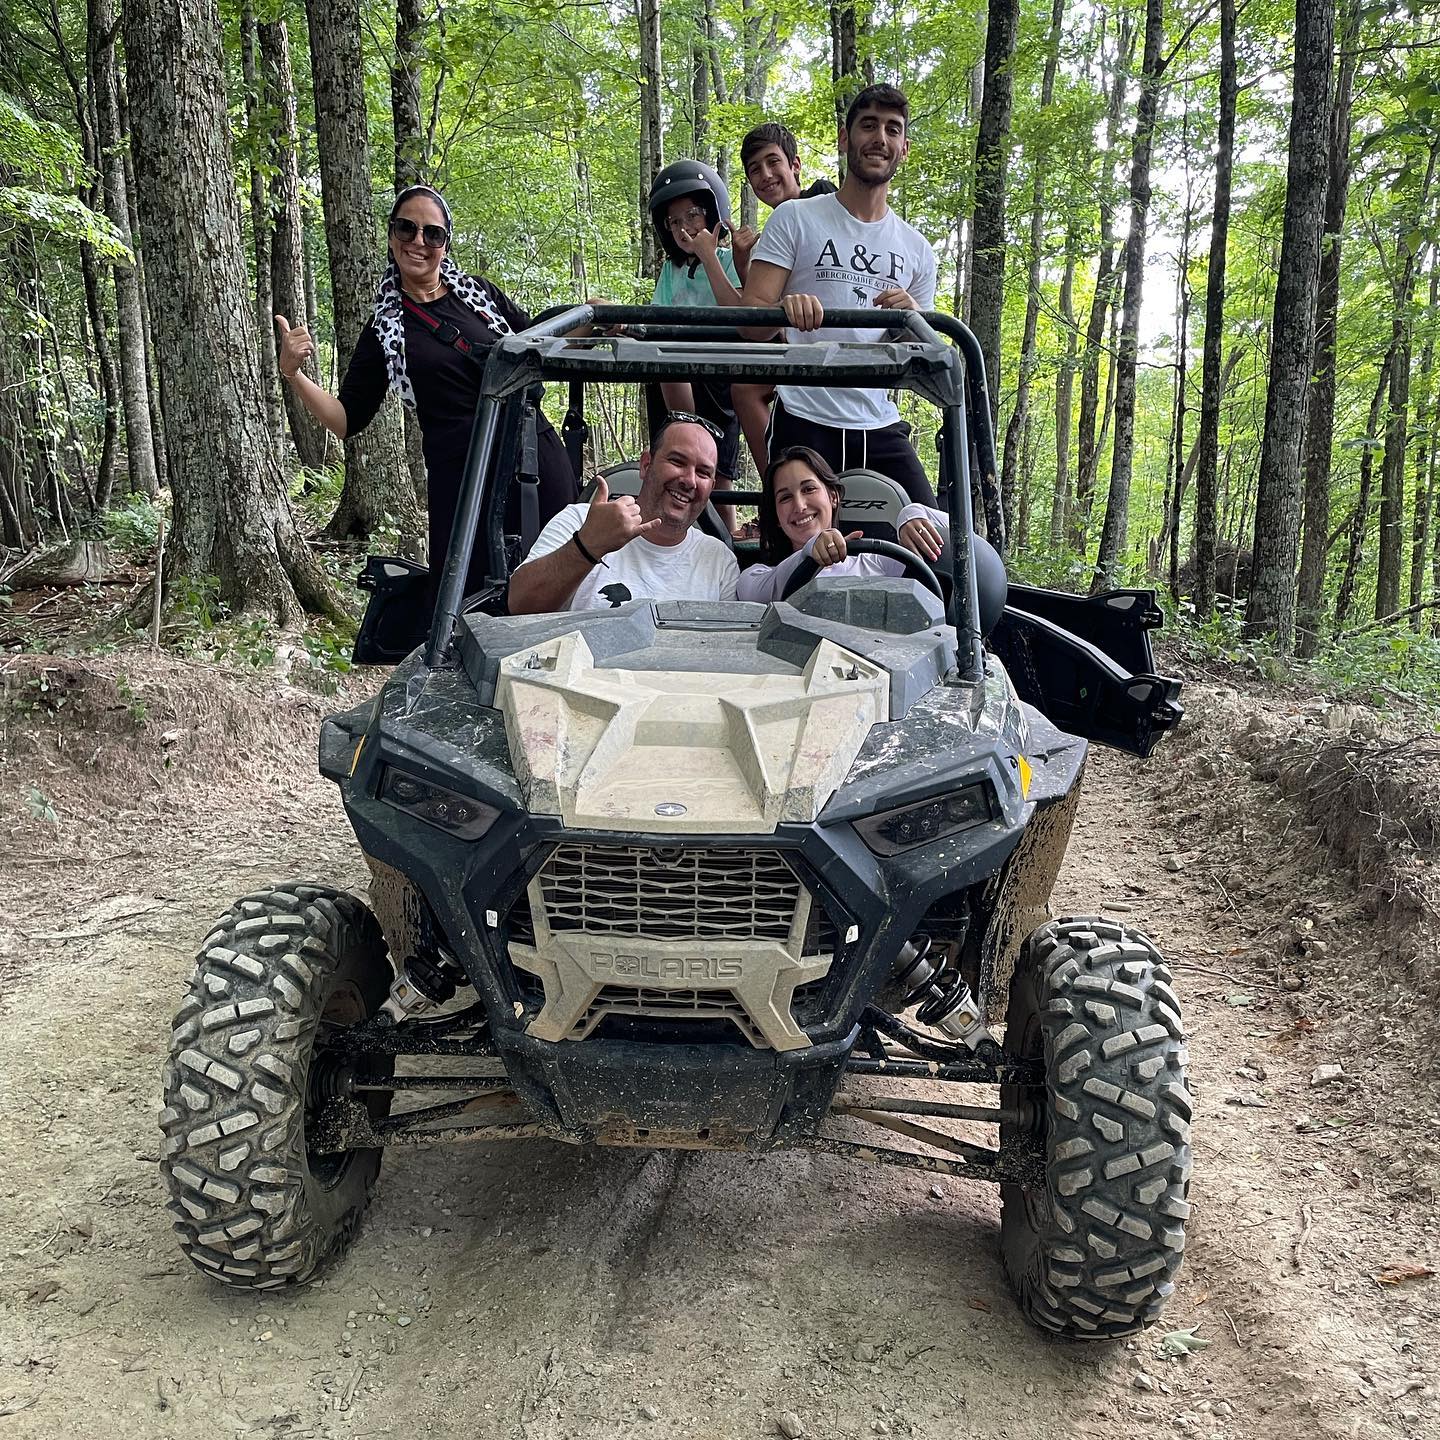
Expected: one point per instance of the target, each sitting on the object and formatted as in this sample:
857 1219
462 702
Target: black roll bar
700 324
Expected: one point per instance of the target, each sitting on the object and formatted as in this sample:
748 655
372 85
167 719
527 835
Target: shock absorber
943 996
430 978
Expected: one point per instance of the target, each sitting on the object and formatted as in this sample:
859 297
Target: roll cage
693 343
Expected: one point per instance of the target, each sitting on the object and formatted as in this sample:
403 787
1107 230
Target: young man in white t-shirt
634 547
848 250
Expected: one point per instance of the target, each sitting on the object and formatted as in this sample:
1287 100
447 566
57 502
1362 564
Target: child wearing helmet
687 199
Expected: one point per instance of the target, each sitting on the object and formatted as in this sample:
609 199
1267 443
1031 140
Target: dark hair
879 97
430 193
770 133
775 544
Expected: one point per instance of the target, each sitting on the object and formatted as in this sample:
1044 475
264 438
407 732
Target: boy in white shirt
848 250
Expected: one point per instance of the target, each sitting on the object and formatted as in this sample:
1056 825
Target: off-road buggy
714 876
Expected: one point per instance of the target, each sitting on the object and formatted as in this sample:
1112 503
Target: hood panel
602 748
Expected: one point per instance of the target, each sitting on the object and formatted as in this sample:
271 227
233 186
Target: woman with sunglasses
799 506
427 340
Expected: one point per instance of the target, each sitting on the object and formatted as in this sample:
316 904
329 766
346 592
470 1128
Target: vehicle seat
624 479
872 504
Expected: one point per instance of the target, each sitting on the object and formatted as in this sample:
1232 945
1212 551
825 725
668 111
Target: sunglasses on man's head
435 236
688 417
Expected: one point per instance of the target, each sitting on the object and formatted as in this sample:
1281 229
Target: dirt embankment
540 1292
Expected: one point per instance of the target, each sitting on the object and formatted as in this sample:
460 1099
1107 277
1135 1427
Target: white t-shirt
846 263
698 568
767 582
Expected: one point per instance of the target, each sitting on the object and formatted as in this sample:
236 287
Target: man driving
601 554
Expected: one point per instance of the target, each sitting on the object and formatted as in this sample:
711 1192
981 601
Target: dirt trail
538 1291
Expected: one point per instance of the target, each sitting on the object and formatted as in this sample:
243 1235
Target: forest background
1199 241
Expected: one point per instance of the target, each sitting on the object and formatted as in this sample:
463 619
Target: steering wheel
916 567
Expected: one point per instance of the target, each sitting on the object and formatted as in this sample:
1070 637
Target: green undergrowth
201 626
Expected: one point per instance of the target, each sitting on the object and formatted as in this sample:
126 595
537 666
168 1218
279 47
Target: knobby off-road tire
1093 1255
280 972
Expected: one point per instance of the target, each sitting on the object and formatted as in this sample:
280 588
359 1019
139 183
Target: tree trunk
1320 402
410 157
109 382
232 517
259 147
411 167
134 378
1064 394
1271 609
1424 450
1107 276
844 64
1117 503
652 143
1359 521
1392 470
377 481
759 27
147 315
287 239
965 274
1179 469
992 147
699 96
1020 415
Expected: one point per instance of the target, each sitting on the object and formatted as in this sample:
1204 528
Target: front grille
666 1005
670 894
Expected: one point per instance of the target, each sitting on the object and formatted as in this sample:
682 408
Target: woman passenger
799 506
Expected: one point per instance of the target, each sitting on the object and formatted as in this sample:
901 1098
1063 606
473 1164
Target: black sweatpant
887 451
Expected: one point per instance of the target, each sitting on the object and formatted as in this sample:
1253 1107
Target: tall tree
232 517
1029 359
411 166
257 144
286 227
1117 503
1271 610
1392 469
376 478
1211 384
652 132
1107 276
1064 397
1360 516
405 93
1424 447
992 148
1320 403
134 378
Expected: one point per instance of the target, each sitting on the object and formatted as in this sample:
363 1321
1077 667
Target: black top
446 383
447 389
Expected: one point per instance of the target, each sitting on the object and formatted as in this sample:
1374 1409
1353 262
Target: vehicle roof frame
681 343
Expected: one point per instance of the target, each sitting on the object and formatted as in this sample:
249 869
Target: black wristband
580 546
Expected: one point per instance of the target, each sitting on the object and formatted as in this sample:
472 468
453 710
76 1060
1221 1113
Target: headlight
895 830
446 810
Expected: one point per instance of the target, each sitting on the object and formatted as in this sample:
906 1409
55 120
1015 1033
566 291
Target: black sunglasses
688 417
435 236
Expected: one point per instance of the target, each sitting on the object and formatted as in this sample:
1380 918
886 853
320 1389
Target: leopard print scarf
390 318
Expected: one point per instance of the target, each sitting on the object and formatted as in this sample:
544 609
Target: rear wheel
253 1058
1093 1253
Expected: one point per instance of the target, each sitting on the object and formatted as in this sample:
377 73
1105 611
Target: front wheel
1094 1253
252 1060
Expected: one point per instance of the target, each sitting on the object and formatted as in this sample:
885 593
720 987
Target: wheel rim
329 1078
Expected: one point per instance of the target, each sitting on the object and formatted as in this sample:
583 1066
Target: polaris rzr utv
715 876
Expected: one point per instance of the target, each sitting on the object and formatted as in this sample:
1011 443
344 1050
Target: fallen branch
1388 619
